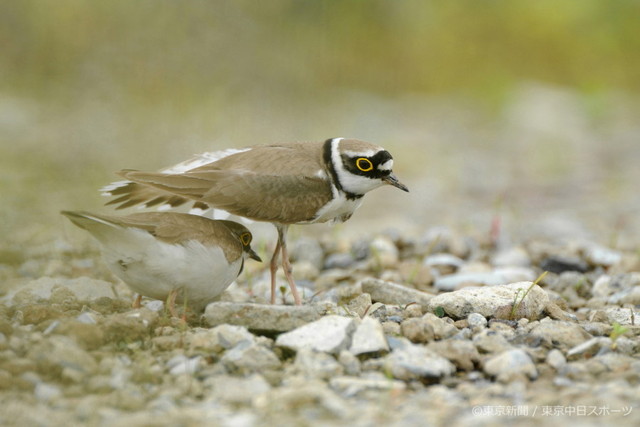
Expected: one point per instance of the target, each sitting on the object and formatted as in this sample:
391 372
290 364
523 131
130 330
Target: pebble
509 365
562 335
476 320
394 294
261 317
415 362
368 338
247 356
315 364
443 263
494 301
329 334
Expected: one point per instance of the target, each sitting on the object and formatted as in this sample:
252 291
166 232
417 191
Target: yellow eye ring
245 238
364 164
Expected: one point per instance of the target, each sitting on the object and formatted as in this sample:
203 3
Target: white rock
556 359
315 364
350 386
509 364
476 320
368 337
411 362
181 365
494 301
330 334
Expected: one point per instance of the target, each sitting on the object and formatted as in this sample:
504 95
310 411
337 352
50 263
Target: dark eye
245 238
364 164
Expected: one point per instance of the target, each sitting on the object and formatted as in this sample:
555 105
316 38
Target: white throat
351 183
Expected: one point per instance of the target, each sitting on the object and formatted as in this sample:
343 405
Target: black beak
253 255
392 180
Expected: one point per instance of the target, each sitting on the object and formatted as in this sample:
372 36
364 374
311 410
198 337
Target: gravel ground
424 309
424 330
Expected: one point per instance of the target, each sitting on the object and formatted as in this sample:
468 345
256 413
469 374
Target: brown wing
284 198
169 227
280 183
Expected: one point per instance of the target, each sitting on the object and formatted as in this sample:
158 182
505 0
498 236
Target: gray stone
476 320
510 365
183 365
443 263
249 356
392 293
602 256
315 364
340 260
84 289
217 339
514 256
623 316
260 317
559 334
441 328
416 362
489 341
461 353
417 329
556 359
309 250
502 302
46 392
384 252
237 390
360 304
330 334
350 386
368 337
461 280
61 354
349 362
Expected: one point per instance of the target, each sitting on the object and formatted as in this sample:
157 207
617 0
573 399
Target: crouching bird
170 256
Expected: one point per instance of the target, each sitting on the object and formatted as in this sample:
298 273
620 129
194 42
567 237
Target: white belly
154 269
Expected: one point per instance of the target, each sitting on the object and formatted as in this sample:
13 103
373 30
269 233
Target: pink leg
274 267
286 265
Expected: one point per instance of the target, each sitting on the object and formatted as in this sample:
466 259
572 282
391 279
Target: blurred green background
527 107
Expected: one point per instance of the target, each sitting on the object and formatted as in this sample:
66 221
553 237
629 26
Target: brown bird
168 255
294 183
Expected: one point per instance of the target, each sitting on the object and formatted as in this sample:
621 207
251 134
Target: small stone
559 264
461 353
462 280
443 263
412 310
417 330
623 316
391 328
182 365
340 260
489 341
556 359
330 334
249 356
476 320
360 304
602 256
260 317
514 256
384 252
394 294
315 364
368 338
441 328
494 301
309 250
416 362
237 390
349 386
558 334
510 365
218 339
349 362
46 392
